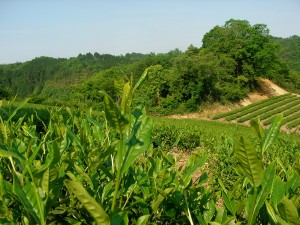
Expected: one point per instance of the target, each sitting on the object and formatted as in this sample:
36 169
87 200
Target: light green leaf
114 116
221 215
142 220
86 177
255 124
209 211
271 133
7 154
126 98
140 81
229 203
118 85
271 212
159 199
95 209
250 163
255 202
46 181
288 211
194 163
292 184
53 156
28 196
21 105
278 190
4 132
138 143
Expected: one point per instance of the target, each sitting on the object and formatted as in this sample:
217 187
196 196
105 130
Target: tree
5 92
251 48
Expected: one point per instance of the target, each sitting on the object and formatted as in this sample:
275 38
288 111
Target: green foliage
226 68
92 168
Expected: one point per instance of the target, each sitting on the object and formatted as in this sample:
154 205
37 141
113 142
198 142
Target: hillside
266 89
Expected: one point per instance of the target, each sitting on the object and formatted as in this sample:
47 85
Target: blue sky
65 28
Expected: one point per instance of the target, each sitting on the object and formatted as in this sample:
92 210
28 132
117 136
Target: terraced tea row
256 106
266 110
250 108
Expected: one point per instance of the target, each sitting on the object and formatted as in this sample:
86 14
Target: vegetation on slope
224 69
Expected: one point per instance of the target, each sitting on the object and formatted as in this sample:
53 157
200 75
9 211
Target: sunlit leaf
250 163
94 208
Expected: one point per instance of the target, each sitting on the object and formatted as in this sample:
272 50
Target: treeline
225 68
290 53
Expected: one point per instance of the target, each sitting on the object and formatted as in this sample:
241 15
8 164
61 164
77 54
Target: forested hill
290 51
30 77
224 69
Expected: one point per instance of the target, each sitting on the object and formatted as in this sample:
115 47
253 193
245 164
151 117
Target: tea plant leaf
86 177
45 181
138 143
118 86
141 80
288 211
53 156
21 105
194 163
113 115
125 98
229 203
250 164
95 209
278 190
4 211
271 212
255 202
255 124
271 133
215 223
159 199
120 218
7 154
209 211
292 184
27 199
221 215
142 220
4 132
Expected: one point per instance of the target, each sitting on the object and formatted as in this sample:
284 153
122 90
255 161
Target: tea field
266 110
117 167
